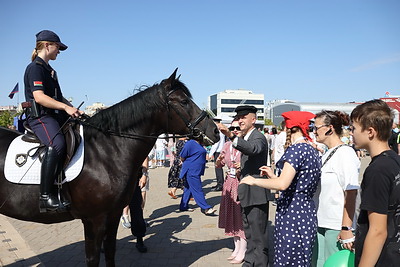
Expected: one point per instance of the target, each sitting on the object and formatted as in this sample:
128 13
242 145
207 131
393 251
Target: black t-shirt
376 188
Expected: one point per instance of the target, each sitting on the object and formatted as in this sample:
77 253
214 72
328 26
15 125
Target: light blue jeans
325 245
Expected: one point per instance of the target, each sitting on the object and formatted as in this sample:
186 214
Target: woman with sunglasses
230 215
48 111
336 194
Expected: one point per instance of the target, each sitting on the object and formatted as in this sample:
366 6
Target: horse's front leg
110 238
94 229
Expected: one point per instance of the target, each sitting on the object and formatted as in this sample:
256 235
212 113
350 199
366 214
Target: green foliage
6 118
268 122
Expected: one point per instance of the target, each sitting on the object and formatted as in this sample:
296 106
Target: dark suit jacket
254 155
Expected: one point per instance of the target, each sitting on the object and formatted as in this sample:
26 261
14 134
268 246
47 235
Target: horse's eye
184 102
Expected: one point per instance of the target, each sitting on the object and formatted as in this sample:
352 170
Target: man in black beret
253 199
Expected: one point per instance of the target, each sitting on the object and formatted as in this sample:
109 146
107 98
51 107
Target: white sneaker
125 222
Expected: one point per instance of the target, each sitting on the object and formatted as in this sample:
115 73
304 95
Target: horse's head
184 115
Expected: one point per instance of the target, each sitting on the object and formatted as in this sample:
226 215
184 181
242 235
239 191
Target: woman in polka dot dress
299 173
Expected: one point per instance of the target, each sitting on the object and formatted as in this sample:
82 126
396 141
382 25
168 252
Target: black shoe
48 203
140 246
65 204
216 189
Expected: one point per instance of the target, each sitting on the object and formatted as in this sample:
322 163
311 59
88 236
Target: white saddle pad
21 168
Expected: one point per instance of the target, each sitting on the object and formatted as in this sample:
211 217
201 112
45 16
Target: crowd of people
309 164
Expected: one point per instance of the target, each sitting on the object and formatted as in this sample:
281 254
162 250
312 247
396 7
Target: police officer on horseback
48 111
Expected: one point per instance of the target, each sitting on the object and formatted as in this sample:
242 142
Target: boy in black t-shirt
377 233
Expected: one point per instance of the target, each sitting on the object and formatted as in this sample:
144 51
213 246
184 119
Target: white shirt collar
248 134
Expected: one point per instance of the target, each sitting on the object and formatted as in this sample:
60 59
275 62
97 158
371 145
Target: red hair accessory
299 119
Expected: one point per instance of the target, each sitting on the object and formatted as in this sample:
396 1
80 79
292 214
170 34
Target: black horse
117 140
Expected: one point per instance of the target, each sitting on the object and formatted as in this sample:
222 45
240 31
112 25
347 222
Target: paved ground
173 238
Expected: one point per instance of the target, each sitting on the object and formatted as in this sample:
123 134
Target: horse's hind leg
94 234
110 238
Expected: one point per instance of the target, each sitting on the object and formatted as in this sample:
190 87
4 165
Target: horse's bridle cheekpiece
194 132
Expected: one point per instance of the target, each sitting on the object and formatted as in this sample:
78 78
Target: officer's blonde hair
39 46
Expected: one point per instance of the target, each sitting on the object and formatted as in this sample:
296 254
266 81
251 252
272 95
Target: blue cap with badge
50 36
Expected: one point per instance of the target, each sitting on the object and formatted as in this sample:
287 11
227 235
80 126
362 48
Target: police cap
50 36
244 110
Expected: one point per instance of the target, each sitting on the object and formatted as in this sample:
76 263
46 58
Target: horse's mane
136 109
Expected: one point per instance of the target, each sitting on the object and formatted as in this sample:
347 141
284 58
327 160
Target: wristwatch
347 228
233 137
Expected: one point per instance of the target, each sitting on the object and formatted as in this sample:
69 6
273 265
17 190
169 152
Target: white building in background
223 104
9 108
275 109
94 108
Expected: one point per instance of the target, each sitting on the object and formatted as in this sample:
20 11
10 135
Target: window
231 101
213 102
242 101
227 109
254 102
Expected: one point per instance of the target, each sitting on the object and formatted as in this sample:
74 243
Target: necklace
298 139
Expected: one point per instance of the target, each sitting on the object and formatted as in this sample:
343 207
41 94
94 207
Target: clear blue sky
317 51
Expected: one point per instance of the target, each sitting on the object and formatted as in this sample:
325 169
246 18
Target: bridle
194 131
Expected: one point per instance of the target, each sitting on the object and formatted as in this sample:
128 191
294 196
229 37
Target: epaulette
38 62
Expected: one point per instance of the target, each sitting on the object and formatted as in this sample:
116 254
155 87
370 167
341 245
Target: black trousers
255 222
138 225
219 172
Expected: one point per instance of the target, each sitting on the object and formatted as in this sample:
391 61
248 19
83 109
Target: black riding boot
48 200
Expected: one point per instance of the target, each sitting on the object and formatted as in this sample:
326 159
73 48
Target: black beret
244 110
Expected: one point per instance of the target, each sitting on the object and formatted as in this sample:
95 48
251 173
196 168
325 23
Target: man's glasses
233 128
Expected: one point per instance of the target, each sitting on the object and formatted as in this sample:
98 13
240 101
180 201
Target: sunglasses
316 128
234 128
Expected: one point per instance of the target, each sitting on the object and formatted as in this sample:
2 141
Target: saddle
71 134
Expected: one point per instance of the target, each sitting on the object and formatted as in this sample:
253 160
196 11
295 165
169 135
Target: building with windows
274 110
223 104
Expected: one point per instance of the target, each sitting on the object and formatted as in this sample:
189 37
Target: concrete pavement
173 239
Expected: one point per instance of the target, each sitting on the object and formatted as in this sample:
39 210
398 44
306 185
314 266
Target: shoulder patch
37 83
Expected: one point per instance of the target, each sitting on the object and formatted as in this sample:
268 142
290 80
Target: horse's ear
178 77
173 75
170 81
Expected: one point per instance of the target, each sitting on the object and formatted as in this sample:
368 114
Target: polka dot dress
296 220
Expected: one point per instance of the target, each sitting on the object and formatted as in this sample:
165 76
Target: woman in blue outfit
299 173
193 156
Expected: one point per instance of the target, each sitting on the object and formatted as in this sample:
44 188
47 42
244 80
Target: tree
268 122
6 119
